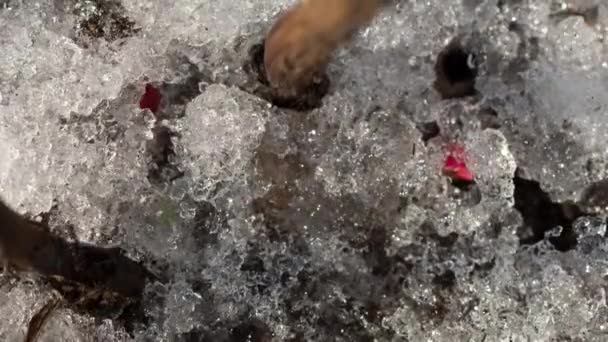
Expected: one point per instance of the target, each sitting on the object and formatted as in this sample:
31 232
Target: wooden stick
303 39
31 247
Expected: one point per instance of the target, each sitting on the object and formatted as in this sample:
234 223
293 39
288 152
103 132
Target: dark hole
336 319
446 241
133 317
372 311
470 194
429 130
456 67
454 76
176 96
252 331
431 313
285 277
196 335
253 264
595 195
484 269
463 185
514 26
445 280
541 214
168 100
310 99
256 66
428 235
502 3
160 148
375 252
488 118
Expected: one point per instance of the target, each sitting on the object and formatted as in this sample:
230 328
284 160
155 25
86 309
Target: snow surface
334 224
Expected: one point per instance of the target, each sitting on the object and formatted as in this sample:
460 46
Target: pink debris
455 165
150 99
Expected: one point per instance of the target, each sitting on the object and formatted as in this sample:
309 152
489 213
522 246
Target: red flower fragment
151 99
455 165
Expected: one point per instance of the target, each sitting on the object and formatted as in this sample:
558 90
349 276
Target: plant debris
39 320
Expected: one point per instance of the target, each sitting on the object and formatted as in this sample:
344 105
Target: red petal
150 99
451 163
454 165
463 174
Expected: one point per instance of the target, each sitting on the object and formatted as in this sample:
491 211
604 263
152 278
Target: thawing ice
264 223
221 130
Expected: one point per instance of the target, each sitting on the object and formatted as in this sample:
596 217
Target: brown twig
303 39
40 319
31 247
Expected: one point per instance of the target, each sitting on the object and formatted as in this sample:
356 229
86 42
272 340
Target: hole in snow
455 72
541 215
310 99
429 130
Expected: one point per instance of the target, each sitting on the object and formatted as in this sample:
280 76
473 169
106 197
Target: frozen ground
333 223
